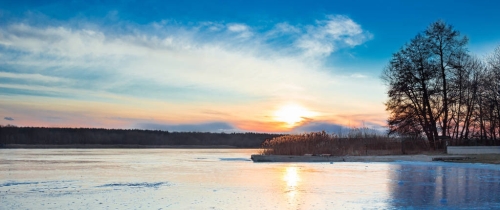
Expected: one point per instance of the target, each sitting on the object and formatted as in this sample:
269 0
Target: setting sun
292 114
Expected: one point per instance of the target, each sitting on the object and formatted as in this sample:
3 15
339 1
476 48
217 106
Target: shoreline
384 158
114 146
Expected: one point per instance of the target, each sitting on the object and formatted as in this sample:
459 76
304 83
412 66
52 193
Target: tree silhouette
437 89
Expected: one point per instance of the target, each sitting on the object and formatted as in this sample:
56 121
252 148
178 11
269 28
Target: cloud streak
330 35
178 58
217 66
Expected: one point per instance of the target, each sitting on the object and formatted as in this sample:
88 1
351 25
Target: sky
214 66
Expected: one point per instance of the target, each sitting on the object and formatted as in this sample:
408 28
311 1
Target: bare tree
465 86
447 47
411 77
438 89
492 93
427 80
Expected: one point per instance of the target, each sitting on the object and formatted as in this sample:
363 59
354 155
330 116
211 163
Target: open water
228 179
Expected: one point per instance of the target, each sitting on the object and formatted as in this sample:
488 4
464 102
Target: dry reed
356 142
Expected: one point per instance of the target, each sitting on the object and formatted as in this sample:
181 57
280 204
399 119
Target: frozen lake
227 179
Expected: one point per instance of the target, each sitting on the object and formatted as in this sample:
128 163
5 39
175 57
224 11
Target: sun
292 114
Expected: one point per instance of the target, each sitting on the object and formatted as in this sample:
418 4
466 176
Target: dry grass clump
355 142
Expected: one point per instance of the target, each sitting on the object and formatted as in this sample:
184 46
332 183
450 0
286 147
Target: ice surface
235 159
143 184
226 179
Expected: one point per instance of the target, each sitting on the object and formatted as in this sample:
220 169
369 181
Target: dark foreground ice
226 179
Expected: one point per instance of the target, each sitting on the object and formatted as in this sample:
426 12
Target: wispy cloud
330 35
358 75
286 28
37 77
242 29
177 58
208 64
8 118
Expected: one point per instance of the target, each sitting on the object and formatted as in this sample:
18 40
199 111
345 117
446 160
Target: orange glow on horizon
268 117
291 115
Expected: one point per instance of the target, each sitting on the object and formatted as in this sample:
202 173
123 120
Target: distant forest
97 136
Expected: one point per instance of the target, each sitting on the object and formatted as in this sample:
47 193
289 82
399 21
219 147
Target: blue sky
280 66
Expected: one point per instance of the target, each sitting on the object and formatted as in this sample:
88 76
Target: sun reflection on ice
292 179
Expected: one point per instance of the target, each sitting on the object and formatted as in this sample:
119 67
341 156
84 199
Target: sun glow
292 114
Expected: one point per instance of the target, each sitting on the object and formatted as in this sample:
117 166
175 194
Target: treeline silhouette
437 89
99 136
